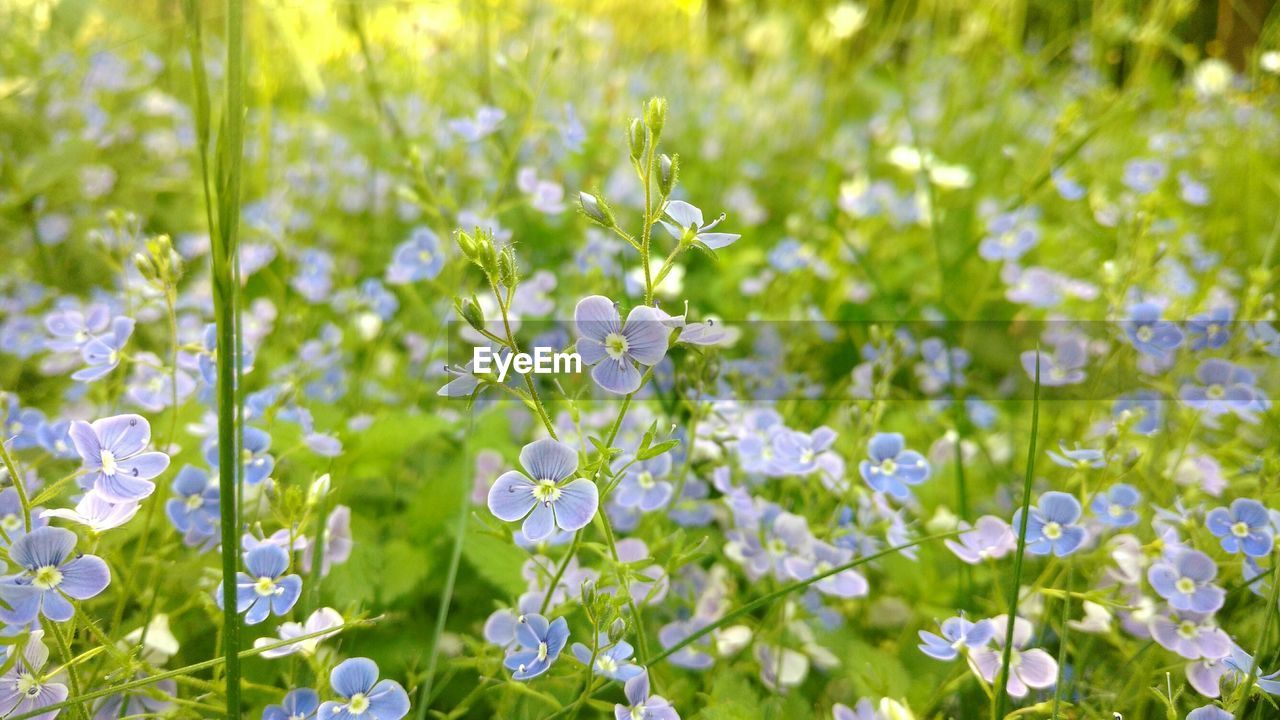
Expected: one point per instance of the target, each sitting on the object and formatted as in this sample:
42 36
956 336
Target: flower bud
508 270
319 489
637 137
469 310
596 209
655 115
617 630
668 173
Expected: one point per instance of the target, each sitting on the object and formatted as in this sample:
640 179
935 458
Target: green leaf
495 561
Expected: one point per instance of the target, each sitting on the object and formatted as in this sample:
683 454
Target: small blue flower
1148 333
643 484
1186 581
641 705
540 496
101 355
1193 191
1143 176
1222 387
891 467
1116 506
51 576
539 645
1078 458
1264 337
684 223
418 258
300 704
194 510
366 697
612 347
257 461
114 458
1062 367
1051 525
1210 330
957 632
265 589
1009 237
611 661
1245 527
1147 404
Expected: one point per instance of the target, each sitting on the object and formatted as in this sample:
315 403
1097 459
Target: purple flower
1186 581
1142 176
641 705
12 521
366 697
1078 458
1148 333
1192 635
957 633
1245 527
70 330
337 542
194 512
1116 506
822 558
115 463
1063 367
539 644
418 258
1033 668
256 460
300 704
611 661
139 703
686 225
1264 337
1210 330
1051 525
1222 388
21 425
693 656
96 513
50 576
25 688
798 453
264 589
102 354
990 539
539 496
892 468
1009 237
610 346
1148 405
642 484
320 621
151 387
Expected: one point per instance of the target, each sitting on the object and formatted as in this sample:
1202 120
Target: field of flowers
917 359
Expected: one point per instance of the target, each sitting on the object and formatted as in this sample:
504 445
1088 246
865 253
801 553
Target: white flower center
1115 511
358 704
607 664
637 712
546 491
266 587
645 479
1145 333
1214 392
542 651
616 345
1188 630
108 462
28 684
1185 585
10 522
195 501
1240 530
888 466
47 577
1052 530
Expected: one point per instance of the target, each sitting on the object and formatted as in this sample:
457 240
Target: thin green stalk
455 559
1002 678
17 485
787 589
1062 639
73 675
1247 687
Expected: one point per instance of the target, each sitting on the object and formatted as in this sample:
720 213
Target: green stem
17 485
1062 639
73 675
455 559
1002 678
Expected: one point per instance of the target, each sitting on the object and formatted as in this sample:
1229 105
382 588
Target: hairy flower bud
655 115
469 310
668 173
596 209
508 269
637 138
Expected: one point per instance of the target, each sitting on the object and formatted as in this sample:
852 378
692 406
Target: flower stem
1002 678
18 486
